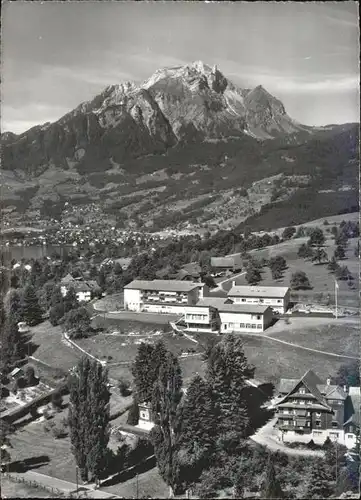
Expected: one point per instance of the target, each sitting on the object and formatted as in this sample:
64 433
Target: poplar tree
32 312
145 369
272 487
89 418
195 432
11 348
166 397
226 374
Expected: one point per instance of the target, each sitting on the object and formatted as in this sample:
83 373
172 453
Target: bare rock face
183 103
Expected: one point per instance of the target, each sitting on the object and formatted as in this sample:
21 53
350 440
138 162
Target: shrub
59 432
57 400
124 387
133 414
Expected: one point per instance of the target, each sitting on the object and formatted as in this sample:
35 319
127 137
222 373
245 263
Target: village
304 409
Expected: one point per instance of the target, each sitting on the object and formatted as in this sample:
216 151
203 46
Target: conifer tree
195 431
319 485
14 306
227 371
70 300
166 397
57 309
89 418
146 367
272 487
32 312
11 348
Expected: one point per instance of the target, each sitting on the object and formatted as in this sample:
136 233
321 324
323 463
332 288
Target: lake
33 252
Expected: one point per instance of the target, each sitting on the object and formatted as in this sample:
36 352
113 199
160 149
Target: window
258 316
318 423
334 434
279 301
334 425
302 390
248 325
302 402
285 412
241 325
253 326
318 413
307 424
243 300
317 433
259 327
349 436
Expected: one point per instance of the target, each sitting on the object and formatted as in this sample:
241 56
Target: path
267 436
58 484
310 349
221 283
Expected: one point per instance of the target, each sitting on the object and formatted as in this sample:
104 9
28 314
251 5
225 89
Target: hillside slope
186 147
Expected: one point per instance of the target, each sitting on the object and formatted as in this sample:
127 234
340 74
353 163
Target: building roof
163 285
192 268
243 308
355 410
67 279
286 385
15 371
225 261
211 302
311 381
256 291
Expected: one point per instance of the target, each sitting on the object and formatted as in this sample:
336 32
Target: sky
56 55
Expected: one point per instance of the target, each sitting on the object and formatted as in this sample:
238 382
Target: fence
35 484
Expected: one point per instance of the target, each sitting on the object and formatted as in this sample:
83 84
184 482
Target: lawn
274 360
320 278
52 349
123 348
150 484
54 456
336 338
11 489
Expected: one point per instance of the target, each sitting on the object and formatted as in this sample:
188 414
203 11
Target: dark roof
67 279
311 381
225 261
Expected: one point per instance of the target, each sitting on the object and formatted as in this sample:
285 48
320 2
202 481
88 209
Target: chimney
328 381
233 282
345 388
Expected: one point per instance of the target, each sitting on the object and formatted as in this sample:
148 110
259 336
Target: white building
276 297
213 314
161 296
83 289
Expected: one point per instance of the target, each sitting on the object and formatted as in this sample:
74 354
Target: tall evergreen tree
57 309
70 300
166 397
319 484
14 306
195 432
32 312
272 487
227 372
89 418
145 369
11 344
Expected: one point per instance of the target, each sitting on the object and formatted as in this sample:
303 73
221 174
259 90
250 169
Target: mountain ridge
187 130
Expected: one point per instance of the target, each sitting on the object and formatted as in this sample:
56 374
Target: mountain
183 135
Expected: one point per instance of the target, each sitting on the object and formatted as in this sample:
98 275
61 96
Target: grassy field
274 360
54 455
339 339
320 278
150 484
123 348
52 349
10 489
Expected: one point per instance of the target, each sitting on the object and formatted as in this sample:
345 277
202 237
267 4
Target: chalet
230 263
162 296
309 408
215 314
84 290
276 297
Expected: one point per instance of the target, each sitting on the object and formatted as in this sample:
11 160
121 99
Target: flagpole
336 311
